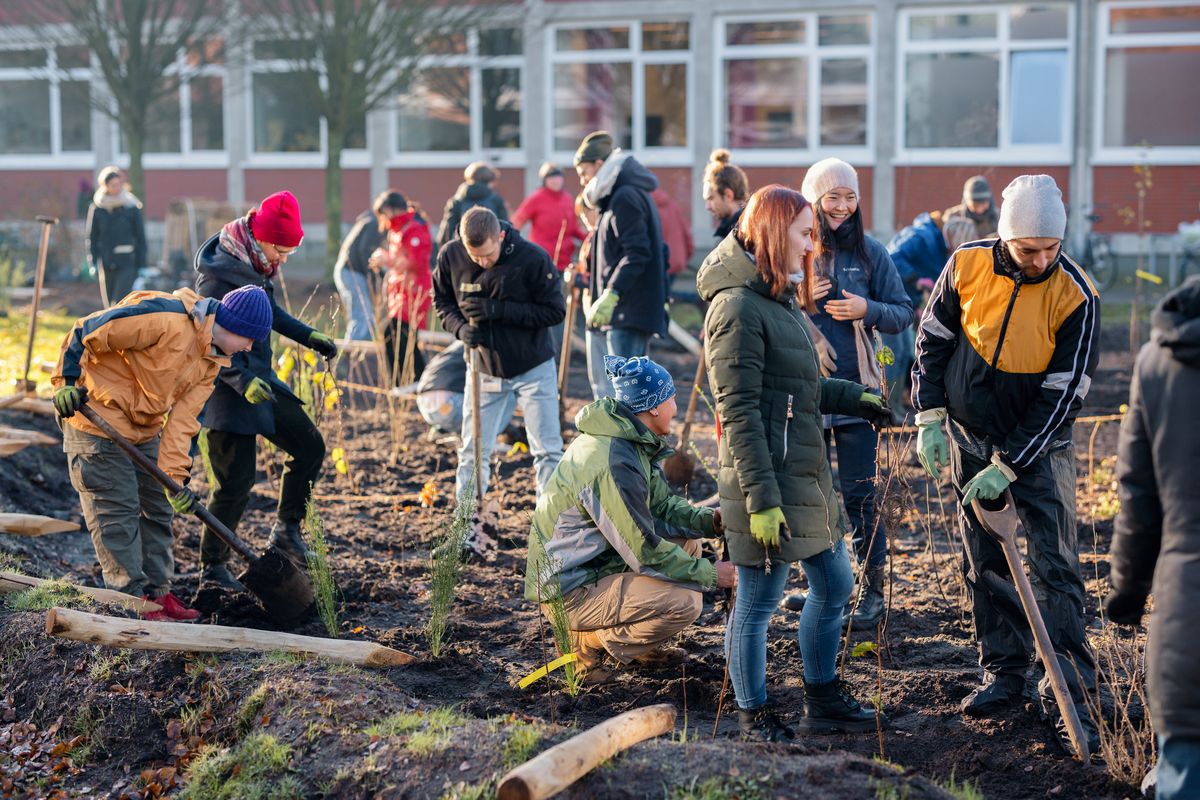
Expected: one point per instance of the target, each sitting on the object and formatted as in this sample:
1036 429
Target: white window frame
1133 154
637 60
476 63
815 54
56 157
1004 46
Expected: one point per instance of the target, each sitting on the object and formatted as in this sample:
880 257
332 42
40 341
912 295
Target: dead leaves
34 761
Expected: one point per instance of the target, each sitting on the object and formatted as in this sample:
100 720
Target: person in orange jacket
146 366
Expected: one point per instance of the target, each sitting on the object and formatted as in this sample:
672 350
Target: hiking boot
763 724
286 538
865 615
175 610
664 655
794 602
830 708
593 666
997 693
1090 734
219 575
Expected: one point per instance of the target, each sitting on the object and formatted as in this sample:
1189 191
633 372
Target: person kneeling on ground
149 364
625 589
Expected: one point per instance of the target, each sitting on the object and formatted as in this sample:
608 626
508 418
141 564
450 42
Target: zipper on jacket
786 424
1012 301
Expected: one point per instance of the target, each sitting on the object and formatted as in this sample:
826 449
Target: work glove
68 400
1125 608
769 526
482 309
182 502
259 391
323 344
470 335
932 449
989 483
600 313
872 408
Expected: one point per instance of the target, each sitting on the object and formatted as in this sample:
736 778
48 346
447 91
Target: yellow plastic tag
545 670
1149 276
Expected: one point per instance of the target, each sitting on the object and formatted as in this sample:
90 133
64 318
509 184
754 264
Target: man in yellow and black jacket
1005 353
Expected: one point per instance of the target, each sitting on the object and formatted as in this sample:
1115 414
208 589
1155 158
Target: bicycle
1097 257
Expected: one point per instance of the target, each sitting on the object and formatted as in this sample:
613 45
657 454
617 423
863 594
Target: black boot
218 574
763 724
870 600
998 692
286 538
794 602
830 708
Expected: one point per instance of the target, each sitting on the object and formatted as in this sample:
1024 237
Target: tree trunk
136 140
333 199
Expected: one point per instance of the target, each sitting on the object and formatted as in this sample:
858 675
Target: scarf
109 202
237 240
602 184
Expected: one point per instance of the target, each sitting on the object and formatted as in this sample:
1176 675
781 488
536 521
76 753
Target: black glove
481 309
1125 608
874 410
323 344
470 335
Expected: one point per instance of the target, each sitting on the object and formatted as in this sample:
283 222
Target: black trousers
395 339
233 457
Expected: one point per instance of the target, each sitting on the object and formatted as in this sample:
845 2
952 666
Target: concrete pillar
379 145
1081 187
237 106
883 126
534 103
703 135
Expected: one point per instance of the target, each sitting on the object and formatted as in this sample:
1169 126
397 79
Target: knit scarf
237 240
108 202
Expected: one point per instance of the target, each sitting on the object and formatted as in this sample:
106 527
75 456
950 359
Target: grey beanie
596 146
976 188
827 175
1032 209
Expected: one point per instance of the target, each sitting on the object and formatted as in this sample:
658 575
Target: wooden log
33 437
35 405
685 339
11 400
34 525
142 635
13 582
10 447
565 763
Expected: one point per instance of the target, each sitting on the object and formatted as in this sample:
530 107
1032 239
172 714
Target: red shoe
154 616
176 610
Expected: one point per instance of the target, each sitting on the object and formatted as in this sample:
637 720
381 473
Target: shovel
24 385
284 592
1003 524
680 466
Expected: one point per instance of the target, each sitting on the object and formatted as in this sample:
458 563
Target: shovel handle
691 408
223 533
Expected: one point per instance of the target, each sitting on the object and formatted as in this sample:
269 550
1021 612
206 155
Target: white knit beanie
827 175
1032 209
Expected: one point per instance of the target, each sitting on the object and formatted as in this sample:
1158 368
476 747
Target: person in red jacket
551 214
677 233
408 283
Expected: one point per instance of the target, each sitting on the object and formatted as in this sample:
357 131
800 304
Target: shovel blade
284 591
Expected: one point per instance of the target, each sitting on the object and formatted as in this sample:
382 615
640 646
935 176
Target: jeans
624 342
1178 767
355 292
830 581
537 392
856 447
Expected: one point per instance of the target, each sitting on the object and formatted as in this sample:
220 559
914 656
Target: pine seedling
324 588
447 566
550 594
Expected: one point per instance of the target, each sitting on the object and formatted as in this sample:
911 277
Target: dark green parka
770 397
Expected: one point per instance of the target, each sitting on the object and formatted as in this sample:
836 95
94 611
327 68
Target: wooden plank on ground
34 524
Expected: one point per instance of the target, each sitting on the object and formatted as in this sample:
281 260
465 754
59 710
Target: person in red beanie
249 399
405 258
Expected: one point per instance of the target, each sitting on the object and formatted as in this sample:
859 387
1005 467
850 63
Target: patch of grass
520 744
447 564
53 327
10 563
280 658
885 790
104 667
324 588
85 723
46 597
722 788
484 790
256 769
251 710
962 791
427 732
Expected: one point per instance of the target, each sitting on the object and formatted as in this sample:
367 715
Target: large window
45 101
188 120
986 83
1149 61
799 83
630 79
466 98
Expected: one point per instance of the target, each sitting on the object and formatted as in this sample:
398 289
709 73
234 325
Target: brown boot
592 666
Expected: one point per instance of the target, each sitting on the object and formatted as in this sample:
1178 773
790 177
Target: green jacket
770 396
607 508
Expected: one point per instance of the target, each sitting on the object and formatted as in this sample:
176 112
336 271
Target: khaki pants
631 614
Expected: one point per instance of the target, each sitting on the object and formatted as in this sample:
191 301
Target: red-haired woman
777 499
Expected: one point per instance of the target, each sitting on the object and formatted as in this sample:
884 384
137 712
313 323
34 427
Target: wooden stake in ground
13 582
34 525
563 764
25 385
139 634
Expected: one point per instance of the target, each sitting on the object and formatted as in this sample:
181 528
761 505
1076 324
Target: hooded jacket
405 257
467 196
1156 543
359 244
628 254
763 369
548 214
218 272
918 251
148 365
986 224
116 231
528 289
597 515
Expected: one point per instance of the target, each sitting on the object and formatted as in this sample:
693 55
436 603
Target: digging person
1005 356
595 539
146 366
249 399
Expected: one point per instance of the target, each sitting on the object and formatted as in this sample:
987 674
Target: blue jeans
355 292
1178 767
856 446
537 392
830 581
624 342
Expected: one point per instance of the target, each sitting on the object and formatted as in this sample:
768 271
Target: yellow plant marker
1149 276
545 670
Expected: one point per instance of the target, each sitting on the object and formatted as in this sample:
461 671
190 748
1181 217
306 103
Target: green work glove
68 399
769 526
932 449
600 313
872 408
989 483
259 391
183 502
323 344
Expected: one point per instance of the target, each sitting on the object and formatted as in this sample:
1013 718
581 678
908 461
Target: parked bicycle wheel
1099 262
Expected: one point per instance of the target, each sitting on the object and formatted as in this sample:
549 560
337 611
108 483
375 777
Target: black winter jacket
116 237
529 289
1156 543
359 243
217 274
465 198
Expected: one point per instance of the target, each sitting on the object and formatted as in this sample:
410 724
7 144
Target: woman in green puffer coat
777 498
